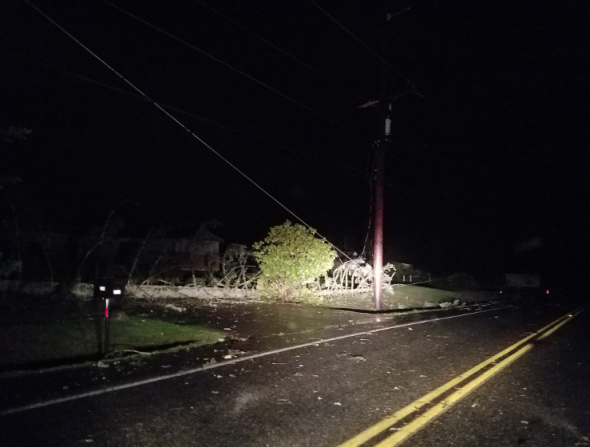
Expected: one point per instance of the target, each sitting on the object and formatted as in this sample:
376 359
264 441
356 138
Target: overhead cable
177 121
334 166
231 67
279 49
368 48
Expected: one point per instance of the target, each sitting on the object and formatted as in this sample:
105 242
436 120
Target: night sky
486 171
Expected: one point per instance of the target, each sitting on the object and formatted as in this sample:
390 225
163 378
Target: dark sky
492 155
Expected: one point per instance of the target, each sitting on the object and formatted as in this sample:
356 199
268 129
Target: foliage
291 258
235 269
358 274
388 273
352 274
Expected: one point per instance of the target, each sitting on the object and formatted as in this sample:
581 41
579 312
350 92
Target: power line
280 50
173 118
337 166
161 106
260 82
464 165
364 44
231 67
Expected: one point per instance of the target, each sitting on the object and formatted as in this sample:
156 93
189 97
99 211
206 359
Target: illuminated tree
290 258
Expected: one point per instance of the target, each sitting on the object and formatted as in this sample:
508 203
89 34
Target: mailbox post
106 291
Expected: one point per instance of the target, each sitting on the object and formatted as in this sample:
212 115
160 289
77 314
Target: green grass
406 297
141 333
36 343
419 296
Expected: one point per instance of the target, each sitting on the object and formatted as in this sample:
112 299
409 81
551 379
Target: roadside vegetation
291 258
292 264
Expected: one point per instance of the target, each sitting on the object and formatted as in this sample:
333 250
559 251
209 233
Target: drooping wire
231 67
173 118
368 48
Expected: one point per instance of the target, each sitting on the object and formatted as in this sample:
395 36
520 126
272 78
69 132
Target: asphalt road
325 393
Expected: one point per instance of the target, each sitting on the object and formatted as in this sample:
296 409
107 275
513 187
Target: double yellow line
422 415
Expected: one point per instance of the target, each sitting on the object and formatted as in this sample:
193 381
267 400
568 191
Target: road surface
338 384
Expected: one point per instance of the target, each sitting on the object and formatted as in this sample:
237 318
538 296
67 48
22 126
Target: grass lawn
408 297
32 343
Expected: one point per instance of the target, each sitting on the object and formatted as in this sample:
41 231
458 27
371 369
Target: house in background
199 253
57 257
172 256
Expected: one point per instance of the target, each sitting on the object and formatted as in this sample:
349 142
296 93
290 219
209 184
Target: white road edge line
221 364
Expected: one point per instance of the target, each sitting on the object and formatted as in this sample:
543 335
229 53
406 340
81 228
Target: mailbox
105 291
107 288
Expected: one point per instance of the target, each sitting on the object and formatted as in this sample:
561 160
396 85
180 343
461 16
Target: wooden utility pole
378 231
379 205
385 105
379 190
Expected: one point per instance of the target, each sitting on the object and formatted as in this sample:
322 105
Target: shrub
290 258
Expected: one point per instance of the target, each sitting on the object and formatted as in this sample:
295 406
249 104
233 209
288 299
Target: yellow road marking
426 417
412 427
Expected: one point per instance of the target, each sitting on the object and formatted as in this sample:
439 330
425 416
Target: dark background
486 172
